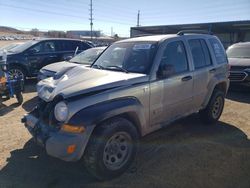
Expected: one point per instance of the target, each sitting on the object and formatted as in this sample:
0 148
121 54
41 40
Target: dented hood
83 80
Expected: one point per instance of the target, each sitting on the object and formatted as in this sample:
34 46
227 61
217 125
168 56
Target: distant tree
116 36
34 32
57 34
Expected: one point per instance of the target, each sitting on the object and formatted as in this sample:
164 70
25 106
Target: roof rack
194 32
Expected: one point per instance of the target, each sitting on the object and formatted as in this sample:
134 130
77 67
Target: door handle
52 56
186 78
212 70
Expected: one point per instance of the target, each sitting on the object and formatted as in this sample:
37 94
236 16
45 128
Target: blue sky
120 15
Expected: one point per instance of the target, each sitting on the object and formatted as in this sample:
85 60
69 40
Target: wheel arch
129 108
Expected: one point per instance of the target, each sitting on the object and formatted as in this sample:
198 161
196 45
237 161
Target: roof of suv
152 38
156 38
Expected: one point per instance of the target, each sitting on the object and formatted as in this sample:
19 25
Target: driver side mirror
165 71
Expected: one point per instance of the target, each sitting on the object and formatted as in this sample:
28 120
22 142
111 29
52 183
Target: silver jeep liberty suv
135 87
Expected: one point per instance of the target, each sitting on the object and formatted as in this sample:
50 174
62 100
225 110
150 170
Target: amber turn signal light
72 129
71 148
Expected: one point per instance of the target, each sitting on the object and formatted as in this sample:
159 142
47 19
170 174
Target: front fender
93 115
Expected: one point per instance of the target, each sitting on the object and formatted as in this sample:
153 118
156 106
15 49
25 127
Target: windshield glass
24 46
133 57
238 52
88 56
10 46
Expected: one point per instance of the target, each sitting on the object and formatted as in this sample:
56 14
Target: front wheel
111 149
214 109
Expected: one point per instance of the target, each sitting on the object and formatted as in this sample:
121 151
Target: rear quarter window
219 51
70 45
84 46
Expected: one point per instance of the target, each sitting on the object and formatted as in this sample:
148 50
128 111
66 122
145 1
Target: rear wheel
214 109
111 149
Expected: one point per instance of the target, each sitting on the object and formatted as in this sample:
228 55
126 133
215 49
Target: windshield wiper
117 68
98 66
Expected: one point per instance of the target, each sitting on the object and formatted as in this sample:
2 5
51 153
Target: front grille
239 68
46 112
237 76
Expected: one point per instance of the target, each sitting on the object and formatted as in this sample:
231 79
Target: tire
214 109
111 149
17 71
19 98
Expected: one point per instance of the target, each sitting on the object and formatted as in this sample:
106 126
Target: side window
219 51
198 54
37 48
70 45
44 47
84 46
206 52
175 56
49 46
74 45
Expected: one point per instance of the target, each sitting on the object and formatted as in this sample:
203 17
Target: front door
42 54
171 97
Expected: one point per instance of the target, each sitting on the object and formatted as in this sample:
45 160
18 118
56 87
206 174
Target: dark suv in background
27 59
239 60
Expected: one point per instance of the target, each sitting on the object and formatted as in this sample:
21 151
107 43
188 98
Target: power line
43 11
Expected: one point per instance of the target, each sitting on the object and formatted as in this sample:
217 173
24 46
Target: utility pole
91 19
138 18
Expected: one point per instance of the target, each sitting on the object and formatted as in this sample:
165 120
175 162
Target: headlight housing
61 111
44 92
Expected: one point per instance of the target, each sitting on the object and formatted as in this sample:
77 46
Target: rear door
171 97
203 69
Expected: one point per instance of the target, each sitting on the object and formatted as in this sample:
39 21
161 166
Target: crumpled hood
83 80
244 62
59 66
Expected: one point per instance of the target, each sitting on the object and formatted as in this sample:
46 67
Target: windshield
133 57
10 46
88 56
238 52
24 46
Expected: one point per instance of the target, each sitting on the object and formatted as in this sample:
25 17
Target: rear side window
70 45
200 53
175 54
84 46
219 52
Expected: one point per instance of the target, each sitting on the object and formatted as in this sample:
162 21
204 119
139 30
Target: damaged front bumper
55 141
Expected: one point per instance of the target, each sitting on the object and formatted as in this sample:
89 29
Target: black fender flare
93 115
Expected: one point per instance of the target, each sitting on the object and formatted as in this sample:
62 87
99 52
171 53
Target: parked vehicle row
136 86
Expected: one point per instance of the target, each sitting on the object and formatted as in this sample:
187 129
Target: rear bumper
56 143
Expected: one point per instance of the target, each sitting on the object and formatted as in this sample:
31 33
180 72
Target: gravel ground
185 154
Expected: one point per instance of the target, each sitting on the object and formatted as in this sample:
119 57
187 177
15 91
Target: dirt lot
185 154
